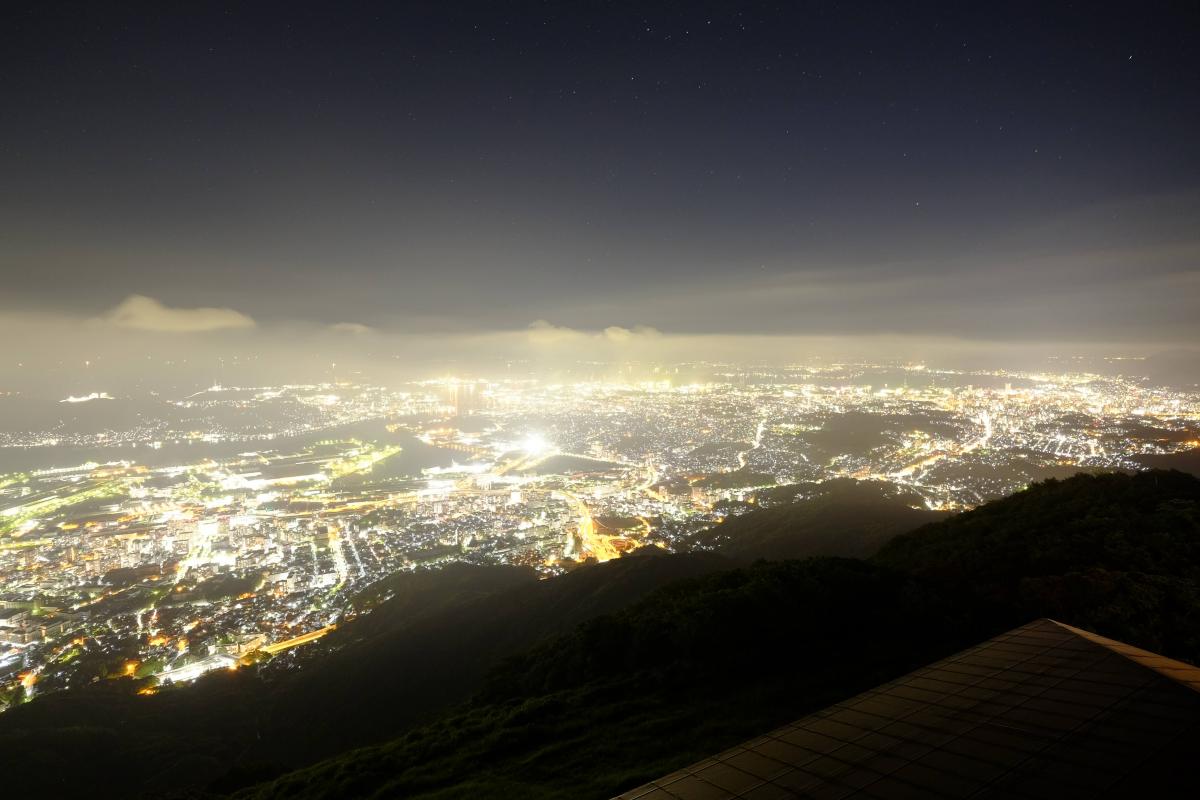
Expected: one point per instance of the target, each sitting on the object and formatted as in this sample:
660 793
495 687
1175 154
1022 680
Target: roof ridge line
1173 669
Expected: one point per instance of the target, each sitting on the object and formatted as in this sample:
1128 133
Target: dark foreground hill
413 663
847 518
631 695
1185 461
1117 554
703 664
422 650
569 688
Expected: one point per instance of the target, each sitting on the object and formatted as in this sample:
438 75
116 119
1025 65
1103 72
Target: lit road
600 547
296 641
199 552
339 556
744 455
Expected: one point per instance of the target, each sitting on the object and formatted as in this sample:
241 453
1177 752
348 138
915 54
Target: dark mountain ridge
843 517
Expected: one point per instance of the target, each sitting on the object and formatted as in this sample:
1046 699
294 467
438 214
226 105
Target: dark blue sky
971 170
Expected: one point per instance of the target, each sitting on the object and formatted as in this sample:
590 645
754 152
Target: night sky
970 172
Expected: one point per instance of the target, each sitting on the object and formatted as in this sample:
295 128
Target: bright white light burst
535 444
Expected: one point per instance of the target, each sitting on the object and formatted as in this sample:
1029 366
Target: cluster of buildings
258 538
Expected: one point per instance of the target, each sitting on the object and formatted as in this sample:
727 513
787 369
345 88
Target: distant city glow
87 398
249 522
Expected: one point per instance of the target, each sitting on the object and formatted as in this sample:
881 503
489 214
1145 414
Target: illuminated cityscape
240 523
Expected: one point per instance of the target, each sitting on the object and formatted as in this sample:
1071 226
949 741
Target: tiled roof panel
1046 710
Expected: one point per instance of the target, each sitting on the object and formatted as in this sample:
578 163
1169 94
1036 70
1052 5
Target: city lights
174 550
